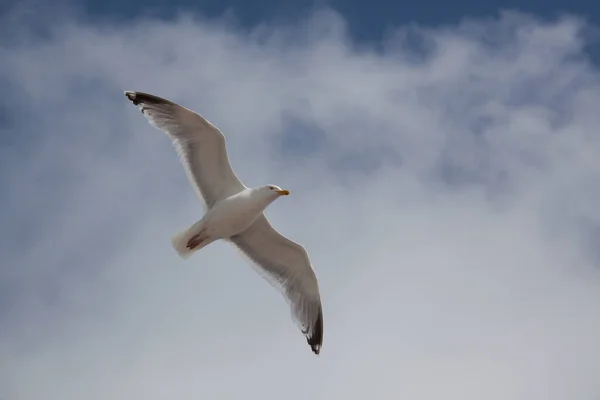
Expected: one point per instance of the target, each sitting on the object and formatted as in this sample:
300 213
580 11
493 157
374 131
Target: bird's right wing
200 144
285 264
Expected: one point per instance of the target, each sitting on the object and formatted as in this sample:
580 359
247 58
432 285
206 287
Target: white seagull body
234 212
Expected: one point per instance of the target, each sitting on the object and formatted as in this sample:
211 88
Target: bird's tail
191 240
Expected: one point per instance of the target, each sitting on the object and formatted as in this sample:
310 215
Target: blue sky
444 181
367 21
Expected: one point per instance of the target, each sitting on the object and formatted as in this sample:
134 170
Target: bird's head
275 190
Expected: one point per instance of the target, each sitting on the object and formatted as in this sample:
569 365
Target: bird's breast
233 216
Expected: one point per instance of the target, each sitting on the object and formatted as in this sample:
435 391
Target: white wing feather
200 144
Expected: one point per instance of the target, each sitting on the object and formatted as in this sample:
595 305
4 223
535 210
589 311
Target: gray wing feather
286 265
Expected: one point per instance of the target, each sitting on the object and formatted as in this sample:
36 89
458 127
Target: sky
443 177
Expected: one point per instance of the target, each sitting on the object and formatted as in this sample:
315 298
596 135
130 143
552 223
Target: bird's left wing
286 265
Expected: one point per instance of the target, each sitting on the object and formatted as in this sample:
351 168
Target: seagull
233 212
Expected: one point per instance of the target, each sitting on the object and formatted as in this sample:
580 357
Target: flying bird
234 212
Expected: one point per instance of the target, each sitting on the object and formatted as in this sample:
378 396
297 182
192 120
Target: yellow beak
283 192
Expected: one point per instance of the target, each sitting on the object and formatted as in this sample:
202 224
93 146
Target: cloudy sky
444 173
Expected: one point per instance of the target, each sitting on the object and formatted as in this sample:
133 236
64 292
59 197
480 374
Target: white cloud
447 195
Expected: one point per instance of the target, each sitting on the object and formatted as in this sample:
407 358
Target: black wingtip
315 340
132 96
139 97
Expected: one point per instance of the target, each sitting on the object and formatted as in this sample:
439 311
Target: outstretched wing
285 264
200 144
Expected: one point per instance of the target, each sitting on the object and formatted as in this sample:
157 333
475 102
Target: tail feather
180 240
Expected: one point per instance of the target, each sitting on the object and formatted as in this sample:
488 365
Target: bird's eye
271 187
